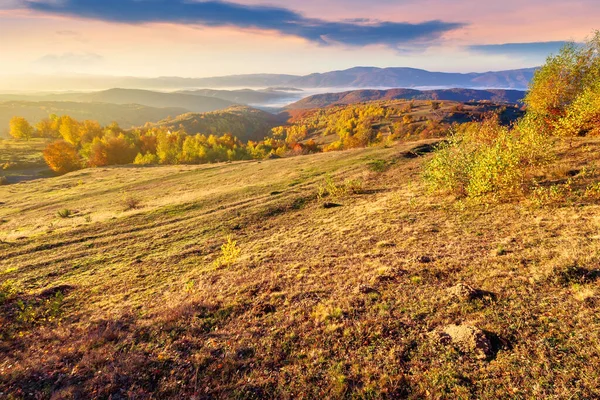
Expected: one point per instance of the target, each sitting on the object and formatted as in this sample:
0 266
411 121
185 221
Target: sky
192 38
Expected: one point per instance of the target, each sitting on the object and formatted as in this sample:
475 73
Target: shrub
329 188
131 202
230 252
8 291
564 92
20 128
64 213
62 157
146 159
486 158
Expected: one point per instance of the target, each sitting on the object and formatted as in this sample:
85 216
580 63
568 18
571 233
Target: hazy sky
206 38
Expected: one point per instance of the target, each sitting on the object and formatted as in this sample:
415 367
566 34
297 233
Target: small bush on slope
486 159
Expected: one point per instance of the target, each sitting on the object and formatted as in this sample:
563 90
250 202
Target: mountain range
358 77
147 98
360 96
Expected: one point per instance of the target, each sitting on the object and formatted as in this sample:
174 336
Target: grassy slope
146 311
22 160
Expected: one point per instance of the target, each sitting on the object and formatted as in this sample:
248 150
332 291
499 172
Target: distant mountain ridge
147 98
358 77
360 96
243 96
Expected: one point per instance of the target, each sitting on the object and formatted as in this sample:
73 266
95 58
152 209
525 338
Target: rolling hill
126 115
245 123
158 99
360 96
245 96
194 103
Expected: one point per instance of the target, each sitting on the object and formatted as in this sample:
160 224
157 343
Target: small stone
366 289
466 338
462 292
424 259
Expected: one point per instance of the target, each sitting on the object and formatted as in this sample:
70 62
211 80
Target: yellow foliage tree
70 130
20 128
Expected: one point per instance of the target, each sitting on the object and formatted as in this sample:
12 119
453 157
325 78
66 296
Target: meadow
326 275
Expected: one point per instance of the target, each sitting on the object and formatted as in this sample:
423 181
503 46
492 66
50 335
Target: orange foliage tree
62 157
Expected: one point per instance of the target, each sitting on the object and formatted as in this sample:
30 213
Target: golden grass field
130 295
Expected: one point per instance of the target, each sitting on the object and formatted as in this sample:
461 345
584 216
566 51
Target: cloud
218 13
68 61
533 49
67 33
10 5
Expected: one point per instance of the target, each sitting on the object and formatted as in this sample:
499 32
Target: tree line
81 144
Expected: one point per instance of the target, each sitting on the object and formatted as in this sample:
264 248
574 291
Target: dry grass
330 303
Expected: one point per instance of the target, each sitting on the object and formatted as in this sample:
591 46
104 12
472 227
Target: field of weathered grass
339 278
22 160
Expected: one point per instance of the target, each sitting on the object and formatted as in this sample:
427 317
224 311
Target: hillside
329 302
245 123
392 119
158 99
245 96
127 115
131 96
361 96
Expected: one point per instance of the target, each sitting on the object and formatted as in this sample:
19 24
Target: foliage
62 157
70 130
230 252
329 188
20 128
564 92
64 213
8 290
145 159
486 159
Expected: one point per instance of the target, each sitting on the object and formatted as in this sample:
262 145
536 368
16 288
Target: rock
424 259
462 292
366 289
331 205
466 338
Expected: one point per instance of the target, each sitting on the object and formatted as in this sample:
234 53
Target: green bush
482 159
330 189
64 213
146 159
